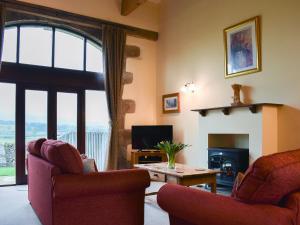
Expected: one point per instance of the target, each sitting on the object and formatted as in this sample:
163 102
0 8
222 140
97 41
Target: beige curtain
113 47
2 26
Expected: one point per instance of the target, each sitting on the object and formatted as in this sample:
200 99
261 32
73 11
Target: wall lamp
189 87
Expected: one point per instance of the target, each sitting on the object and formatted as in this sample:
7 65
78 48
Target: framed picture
171 103
242 48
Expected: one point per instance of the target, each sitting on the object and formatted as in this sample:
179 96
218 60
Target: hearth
230 161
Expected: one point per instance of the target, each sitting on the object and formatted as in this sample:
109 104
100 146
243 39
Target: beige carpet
15 209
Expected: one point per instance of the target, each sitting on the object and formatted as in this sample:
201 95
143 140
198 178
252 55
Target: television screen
146 137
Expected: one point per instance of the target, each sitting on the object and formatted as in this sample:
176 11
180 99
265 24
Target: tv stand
149 156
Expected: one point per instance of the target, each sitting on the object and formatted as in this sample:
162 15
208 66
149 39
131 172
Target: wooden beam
128 6
57 16
46 77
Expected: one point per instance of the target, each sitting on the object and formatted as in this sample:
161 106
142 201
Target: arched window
52 86
50 46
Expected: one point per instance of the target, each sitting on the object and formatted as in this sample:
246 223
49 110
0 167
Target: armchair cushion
238 180
62 155
292 202
270 178
34 147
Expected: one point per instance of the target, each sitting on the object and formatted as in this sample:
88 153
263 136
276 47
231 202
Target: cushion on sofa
238 180
270 178
34 147
62 155
89 166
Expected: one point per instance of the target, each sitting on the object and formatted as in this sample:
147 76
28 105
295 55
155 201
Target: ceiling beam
128 6
38 11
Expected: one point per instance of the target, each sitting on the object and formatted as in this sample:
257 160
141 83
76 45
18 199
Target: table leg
213 187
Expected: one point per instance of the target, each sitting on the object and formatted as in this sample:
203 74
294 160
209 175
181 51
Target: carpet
16 210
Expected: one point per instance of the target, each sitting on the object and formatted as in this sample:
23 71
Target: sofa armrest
121 181
199 208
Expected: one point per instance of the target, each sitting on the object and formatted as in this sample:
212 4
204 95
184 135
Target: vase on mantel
171 149
236 95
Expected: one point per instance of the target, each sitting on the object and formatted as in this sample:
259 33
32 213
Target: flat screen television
147 137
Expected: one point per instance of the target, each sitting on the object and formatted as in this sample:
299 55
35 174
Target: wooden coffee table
182 175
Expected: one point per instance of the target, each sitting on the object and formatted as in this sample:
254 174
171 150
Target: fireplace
230 161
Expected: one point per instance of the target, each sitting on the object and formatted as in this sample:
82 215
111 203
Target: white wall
191 49
143 88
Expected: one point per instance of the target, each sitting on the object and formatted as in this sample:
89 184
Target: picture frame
242 48
171 103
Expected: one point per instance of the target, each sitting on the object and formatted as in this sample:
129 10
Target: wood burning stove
230 161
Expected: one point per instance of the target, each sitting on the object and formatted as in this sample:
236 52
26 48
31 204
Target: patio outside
7 163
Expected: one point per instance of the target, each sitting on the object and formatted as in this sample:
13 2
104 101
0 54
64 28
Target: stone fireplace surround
243 129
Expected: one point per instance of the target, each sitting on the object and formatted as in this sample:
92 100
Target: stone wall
128 106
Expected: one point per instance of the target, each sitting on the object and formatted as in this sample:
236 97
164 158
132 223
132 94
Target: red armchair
188 206
63 198
268 195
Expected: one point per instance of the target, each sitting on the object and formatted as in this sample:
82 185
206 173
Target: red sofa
269 194
61 195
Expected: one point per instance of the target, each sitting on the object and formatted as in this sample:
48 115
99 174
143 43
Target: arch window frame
53 80
54 27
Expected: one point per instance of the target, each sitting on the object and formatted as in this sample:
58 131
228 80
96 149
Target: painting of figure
241 49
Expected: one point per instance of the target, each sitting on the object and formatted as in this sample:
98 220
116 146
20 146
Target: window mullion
84 55
18 44
81 121
53 46
52 114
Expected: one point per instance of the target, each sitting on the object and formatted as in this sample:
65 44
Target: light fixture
189 87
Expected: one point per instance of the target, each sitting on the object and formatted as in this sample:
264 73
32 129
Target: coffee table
182 175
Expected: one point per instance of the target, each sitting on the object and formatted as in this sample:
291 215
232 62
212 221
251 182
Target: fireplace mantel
227 109
242 129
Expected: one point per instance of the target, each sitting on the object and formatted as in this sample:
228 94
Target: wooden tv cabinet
144 157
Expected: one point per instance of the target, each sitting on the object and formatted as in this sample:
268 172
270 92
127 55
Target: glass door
67 117
35 115
28 113
97 127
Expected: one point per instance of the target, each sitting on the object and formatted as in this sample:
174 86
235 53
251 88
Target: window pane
35 115
67 117
93 57
68 50
36 45
96 126
7 134
10 45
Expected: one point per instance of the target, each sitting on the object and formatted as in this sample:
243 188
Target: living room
170 53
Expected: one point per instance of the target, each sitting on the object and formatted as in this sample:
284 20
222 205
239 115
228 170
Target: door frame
21 177
52 80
